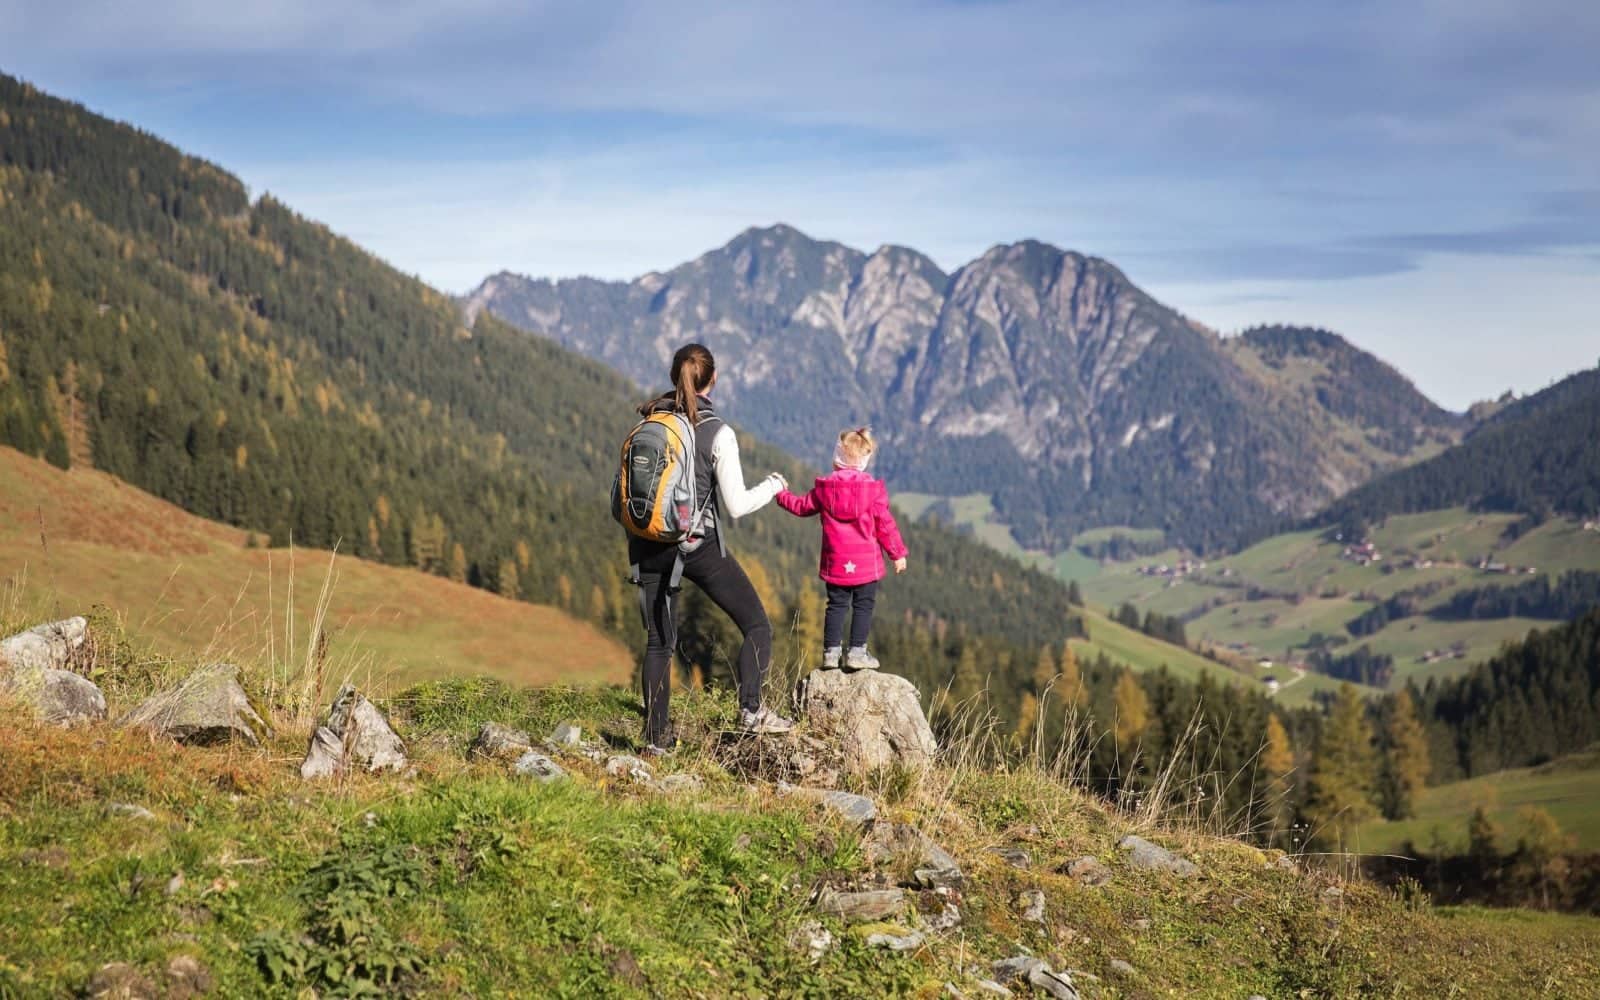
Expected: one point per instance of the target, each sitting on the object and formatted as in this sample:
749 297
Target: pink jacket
855 522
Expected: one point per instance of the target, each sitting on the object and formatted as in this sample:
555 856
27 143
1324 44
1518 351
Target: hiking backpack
654 494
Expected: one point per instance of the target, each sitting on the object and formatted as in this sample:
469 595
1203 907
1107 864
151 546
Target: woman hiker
706 561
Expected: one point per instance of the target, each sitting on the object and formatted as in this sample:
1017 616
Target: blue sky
1422 177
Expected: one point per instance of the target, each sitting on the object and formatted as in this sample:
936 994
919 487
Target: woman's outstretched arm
736 500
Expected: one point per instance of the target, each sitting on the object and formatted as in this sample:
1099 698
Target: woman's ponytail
693 368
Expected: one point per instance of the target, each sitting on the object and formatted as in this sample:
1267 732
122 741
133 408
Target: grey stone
874 719
630 767
902 841
674 783
1056 984
120 981
174 885
52 646
1038 974
1032 903
1148 856
940 878
1121 968
568 734
356 735
323 756
873 904
909 941
948 919
497 741
130 810
1090 871
812 940
536 765
209 706
992 988
855 809
1016 857
57 697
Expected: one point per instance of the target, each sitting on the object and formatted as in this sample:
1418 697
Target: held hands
900 565
783 483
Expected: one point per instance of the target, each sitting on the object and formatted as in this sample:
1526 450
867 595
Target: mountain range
1043 378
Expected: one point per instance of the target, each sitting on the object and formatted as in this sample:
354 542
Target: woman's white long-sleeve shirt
735 499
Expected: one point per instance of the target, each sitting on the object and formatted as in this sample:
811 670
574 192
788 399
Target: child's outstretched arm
797 504
888 531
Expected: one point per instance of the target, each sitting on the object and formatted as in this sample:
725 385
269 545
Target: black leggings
722 580
860 600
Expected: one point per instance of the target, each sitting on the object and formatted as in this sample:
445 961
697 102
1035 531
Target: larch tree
1343 772
458 563
1069 686
1277 762
1132 708
506 580
1406 760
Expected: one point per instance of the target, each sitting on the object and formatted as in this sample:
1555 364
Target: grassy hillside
1568 788
1276 597
72 541
462 879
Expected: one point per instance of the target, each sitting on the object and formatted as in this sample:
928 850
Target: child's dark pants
861 598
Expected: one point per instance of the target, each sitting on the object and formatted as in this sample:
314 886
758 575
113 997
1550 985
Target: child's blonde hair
855 448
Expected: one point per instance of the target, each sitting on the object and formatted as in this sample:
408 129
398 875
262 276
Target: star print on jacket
850 568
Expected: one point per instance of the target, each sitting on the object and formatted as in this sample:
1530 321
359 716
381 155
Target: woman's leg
863 599
658 612
725 583
833 617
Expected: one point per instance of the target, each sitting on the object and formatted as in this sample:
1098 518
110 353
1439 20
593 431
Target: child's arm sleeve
800 505
888 530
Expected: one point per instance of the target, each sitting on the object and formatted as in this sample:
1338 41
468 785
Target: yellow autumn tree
458 563
1132 707
1277 762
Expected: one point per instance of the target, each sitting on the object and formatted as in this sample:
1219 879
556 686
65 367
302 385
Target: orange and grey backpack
654 495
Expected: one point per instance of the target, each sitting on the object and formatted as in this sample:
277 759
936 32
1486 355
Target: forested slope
255 368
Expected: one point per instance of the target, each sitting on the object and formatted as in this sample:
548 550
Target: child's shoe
830 658
859 659
763 722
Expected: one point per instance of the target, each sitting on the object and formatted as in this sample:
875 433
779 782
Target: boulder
568 734
1016 857
1151 857
1089 870
57 697
896 939
501 742
51 646
536 765
357 735
209 707
628 766
857 810
1038 974
875 719
902 841
872 904
1032 904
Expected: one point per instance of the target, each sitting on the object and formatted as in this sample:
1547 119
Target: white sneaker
830 658
763 722
860 659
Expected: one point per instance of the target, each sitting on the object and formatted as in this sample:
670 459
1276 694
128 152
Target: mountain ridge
1041 375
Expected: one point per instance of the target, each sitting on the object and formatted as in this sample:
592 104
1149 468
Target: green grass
1569 788
463 880
1143 653
1332 590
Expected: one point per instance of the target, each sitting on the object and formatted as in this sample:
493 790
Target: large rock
52 646
357 735
209 707
1152 857
875 719
859 907
58 697
857 810
502 742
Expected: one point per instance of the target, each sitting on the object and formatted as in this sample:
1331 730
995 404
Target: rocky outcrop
36 669
58 645
356 735
209 707
875 719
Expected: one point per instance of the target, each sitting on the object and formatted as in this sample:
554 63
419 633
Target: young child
857 528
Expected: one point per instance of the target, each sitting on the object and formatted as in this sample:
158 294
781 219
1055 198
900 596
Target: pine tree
1406 760
1343 771
1074 595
